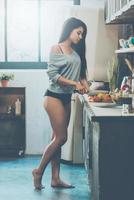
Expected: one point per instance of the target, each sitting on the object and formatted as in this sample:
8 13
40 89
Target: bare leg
58 119
55 162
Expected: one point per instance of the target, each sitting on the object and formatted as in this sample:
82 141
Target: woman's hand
84 83
82 89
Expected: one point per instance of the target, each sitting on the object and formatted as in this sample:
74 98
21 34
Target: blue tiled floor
16 181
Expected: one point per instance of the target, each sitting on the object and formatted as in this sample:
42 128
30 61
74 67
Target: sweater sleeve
56 62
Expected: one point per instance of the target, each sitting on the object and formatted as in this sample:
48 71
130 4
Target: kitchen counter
109 153
105 113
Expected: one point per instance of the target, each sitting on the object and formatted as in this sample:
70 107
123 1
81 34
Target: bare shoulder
55 49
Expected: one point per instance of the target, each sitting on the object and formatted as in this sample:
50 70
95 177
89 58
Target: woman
67 72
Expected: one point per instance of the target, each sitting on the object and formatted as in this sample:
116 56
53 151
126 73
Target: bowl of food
101 100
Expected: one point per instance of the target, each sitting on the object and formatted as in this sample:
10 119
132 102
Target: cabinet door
12 136
95 160
86 145
123 3
119 11
116 160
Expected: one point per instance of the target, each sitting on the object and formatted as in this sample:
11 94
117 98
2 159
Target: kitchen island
109 152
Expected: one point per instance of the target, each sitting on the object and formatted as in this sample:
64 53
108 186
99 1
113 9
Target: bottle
132 83
126 105
133 91
18 107
125 109
9 110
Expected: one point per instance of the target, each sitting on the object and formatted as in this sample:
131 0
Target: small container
126 105
9 110
18 107
131 42
125 109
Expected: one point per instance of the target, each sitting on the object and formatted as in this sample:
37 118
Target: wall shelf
125 50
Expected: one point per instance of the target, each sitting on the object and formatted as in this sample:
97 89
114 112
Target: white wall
95 3
101 40
106 44
37 124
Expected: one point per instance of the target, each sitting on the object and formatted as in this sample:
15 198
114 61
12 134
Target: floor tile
16 181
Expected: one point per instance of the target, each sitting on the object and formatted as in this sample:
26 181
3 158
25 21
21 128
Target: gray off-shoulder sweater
66 65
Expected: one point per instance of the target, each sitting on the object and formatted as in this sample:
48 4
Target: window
2 37
28 28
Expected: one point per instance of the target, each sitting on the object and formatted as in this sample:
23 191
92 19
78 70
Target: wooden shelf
12 127
125 50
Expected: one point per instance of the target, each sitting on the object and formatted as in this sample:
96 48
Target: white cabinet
119 11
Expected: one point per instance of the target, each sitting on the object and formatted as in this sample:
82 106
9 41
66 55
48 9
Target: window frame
25 65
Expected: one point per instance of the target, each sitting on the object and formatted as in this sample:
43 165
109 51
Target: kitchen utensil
131 68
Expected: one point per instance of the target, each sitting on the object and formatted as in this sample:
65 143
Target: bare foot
37 180
60 184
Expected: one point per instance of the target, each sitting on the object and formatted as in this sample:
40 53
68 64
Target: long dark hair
68 26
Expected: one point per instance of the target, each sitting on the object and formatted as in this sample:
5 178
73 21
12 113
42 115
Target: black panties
64 98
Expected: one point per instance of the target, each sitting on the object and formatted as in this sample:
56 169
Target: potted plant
112 73
5 77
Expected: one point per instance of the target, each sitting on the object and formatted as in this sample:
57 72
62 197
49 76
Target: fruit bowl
103 104
101 97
